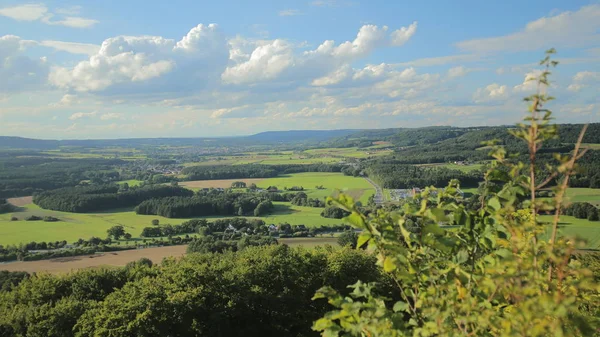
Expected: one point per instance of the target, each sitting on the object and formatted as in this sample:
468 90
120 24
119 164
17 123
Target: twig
561 191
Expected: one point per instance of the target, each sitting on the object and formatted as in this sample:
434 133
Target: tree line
394 176
582 210
206 204
104 197
26 176
5 206
253 171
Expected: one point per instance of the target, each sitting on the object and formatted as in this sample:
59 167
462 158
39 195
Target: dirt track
66 264
19 202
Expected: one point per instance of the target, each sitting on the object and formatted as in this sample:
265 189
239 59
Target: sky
132 68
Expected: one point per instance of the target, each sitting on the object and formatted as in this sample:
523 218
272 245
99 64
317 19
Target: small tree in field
116 232
492 275
155 222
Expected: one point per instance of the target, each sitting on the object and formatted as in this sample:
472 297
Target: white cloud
35 12
186 64
17 71
70 21
564 30
530 84
28 12
289 12
79 115
583 79
459 71
402 35
265 63
586 77
493 92
72 47
66 100
335 77
276 59
110 115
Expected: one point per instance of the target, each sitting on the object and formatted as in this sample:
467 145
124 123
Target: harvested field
111 259
223 183
19 202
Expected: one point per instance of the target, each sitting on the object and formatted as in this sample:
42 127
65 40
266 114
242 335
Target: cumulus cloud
529 84
79 115
492 92
40 12
402 35
277 58
17 71
188 63
564 30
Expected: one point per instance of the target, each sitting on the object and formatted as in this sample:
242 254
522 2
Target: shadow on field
282 210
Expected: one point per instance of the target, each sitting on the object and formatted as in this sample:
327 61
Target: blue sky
117 69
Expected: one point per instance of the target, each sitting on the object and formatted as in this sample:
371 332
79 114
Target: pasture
588 231
73 226
357 188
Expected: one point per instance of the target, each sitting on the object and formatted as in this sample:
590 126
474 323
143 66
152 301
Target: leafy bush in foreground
490 276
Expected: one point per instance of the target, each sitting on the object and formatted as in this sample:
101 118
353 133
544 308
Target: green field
356 187
74 226
85 225
350 152
591 195
589 231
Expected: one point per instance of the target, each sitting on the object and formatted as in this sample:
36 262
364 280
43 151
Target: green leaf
400 306
462 256
362 239
356 220
494 203
388 264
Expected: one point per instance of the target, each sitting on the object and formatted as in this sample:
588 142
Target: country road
378 192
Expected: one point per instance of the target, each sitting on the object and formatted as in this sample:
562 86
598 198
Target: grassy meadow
85 225
356 187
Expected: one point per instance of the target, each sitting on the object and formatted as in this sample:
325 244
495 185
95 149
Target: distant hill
298 135
401 137
269 137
